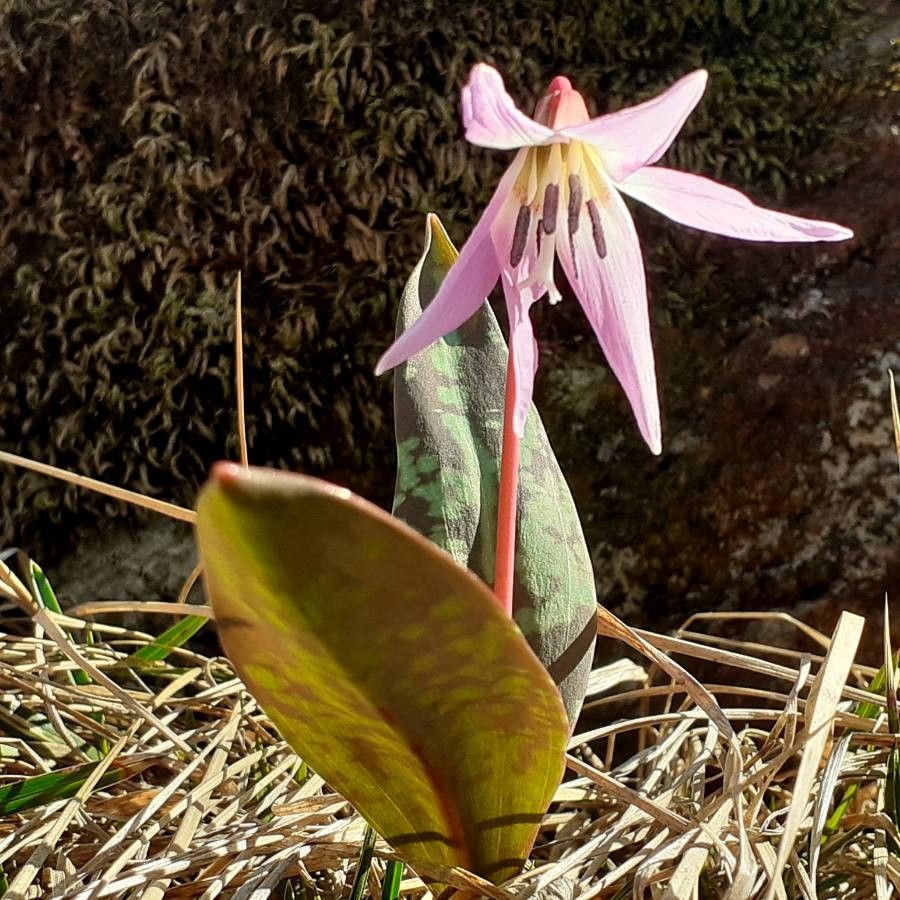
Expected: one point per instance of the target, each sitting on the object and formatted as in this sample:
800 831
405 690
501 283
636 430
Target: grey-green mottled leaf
448 409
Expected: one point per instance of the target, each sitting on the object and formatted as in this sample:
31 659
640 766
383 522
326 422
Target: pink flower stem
504 565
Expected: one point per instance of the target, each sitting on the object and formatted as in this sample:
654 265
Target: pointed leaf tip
227 473
438 242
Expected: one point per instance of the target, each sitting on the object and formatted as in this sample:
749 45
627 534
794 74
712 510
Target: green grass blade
865 710
46 597
39 733
365 863
393 875
890 697
834 820
40 790
892 777
892 794
43 591
171 639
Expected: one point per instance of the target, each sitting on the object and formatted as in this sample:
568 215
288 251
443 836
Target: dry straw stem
680 797
239 371
101 487
692 789
821 706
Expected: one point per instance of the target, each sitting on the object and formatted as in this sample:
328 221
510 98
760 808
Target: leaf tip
438 242
226 473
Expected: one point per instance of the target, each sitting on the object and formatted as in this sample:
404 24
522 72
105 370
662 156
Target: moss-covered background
149 149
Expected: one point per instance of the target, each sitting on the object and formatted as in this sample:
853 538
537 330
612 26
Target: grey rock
146 560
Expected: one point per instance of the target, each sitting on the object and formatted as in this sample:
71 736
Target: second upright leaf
448 410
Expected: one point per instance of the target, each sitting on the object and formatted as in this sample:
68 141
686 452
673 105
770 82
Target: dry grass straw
687 789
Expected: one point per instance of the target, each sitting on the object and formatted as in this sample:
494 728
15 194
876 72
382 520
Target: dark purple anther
597 228
575 200
520 236
551 207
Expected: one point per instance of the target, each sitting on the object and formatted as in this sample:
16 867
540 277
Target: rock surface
148 559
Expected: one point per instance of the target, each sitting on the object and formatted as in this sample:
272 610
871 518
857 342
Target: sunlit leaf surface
389 668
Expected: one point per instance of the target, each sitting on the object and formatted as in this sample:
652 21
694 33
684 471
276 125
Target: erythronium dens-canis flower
561 196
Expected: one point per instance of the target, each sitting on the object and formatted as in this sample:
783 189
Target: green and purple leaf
448 411
387 666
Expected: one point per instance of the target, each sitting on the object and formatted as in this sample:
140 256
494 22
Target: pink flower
562 197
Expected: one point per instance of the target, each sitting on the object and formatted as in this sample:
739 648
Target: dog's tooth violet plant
561 198
370 641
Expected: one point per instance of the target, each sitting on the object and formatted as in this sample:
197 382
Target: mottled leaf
389 668
448 412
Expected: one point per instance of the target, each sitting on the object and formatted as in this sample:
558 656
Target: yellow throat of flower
561 177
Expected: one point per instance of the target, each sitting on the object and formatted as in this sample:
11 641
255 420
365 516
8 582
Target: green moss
148 150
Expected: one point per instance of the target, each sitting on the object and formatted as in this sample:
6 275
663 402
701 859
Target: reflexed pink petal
492 118
525 351
613 292
701 203
470 279
639 135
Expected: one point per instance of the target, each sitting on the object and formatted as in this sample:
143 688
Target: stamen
551 207
532 181
575 200
573 157
520 236
597 228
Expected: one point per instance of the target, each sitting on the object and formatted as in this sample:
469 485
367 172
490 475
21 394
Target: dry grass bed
181 788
